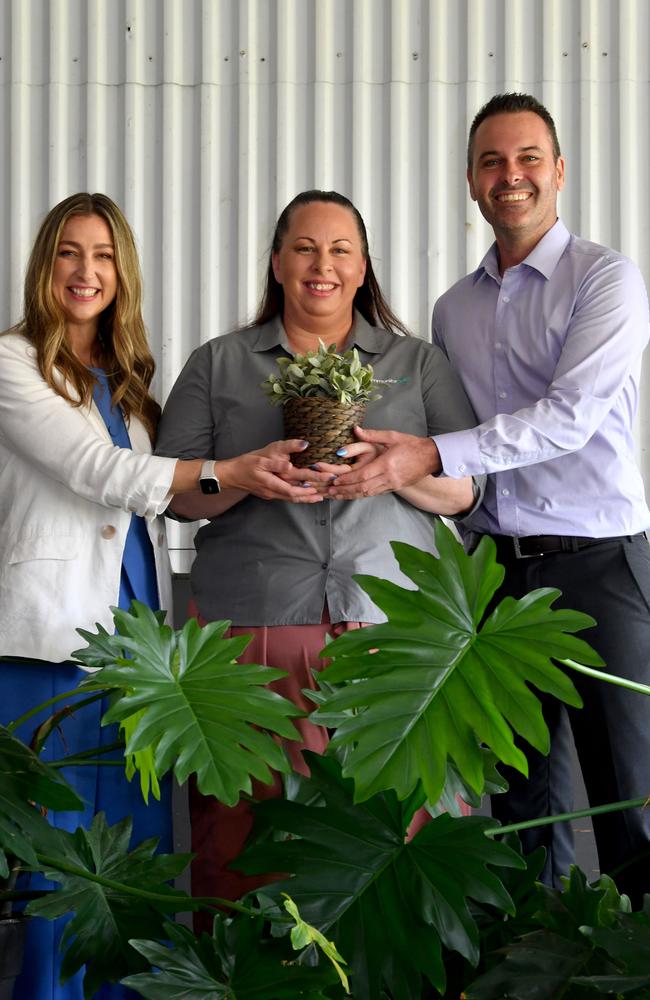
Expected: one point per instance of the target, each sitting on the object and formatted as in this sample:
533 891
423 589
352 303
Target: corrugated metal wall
202 118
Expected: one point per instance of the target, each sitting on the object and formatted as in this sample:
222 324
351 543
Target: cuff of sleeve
153 499
459 453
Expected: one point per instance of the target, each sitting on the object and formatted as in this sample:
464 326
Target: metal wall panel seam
248 167
396 237
324 96
19 146
362 170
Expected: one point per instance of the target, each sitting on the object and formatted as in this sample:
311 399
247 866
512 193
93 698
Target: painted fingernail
333 480
342 452
315 468
306 486
304 444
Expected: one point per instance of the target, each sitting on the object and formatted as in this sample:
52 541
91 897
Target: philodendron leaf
589 943
435 682
388 905
200 711
25 780
105 917
303 934
540 966
234 964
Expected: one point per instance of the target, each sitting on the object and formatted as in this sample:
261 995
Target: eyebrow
522 149
96 246
339 239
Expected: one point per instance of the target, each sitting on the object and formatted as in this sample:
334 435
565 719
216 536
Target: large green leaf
233 964
590 943
107 916
25 780
202 712
387 904
436 681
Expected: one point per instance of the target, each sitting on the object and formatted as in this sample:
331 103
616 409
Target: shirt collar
369 338
544 257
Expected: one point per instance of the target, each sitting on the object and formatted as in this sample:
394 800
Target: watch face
209 486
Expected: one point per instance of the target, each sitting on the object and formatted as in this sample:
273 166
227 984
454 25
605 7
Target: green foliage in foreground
436 704
389 905
586 943
437 680
202 712
24 780
234 964
105 885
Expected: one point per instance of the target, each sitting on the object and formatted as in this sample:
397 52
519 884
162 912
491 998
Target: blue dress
102 788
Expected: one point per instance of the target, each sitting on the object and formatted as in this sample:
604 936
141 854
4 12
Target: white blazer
66 498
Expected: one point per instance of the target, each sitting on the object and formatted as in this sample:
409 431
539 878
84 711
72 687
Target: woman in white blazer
81 499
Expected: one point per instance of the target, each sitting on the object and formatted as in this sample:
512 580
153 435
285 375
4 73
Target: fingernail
333 480
306 485
315 468
341 452
304 444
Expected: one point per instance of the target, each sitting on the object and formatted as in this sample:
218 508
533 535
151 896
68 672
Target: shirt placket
505 480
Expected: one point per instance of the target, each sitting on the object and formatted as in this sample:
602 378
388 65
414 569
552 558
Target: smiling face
84 277
515 178
320 265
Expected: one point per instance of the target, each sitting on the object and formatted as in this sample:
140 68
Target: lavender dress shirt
550 356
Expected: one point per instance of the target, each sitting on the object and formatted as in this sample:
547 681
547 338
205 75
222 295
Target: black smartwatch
208 480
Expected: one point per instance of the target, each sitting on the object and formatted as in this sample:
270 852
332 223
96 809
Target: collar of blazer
137 432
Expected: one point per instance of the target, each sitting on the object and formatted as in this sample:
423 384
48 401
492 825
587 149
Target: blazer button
108 531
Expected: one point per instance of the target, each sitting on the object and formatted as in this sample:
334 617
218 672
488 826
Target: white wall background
202 118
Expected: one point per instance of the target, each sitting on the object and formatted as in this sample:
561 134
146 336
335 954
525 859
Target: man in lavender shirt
547 336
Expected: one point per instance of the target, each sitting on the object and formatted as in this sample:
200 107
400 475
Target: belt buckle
523 555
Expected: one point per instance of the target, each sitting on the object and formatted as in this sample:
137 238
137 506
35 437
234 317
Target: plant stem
194 903
562 817
600 675
52 701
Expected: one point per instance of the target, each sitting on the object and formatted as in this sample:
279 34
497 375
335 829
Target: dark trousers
610 582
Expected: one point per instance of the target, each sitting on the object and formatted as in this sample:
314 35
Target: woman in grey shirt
279 570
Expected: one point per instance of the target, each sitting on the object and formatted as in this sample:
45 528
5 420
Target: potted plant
324 395
449 910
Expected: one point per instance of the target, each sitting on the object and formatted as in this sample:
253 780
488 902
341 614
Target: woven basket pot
325 423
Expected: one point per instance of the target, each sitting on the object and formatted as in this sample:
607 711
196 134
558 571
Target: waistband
531 546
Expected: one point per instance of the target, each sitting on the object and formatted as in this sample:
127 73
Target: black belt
541 545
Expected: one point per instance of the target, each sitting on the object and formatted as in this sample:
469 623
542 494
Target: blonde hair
123 346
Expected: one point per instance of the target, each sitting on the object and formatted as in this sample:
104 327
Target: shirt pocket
63 547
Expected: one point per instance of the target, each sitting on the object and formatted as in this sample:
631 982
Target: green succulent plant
322 373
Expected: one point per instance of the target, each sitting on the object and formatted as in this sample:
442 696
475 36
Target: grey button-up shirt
276 563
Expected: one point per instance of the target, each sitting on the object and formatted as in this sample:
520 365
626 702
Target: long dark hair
369 299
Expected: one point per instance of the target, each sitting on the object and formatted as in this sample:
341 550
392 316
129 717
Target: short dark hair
369 299
510 104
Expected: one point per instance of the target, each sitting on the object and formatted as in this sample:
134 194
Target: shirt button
505 493
498 345
323 565
461 468
108 531
323 522
503 395
506 298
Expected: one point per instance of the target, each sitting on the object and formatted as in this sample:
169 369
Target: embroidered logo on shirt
402 380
